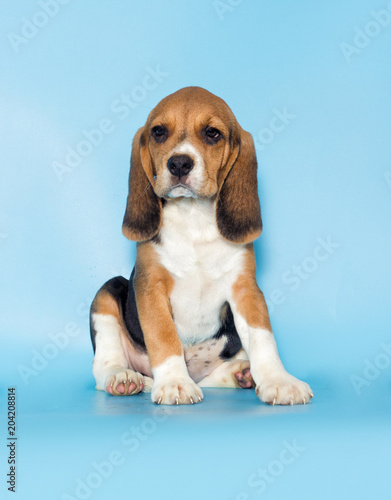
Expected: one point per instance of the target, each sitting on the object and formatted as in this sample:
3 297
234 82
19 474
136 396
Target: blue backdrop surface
312 83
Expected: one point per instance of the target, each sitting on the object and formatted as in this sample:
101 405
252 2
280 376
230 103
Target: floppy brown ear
238 212
142 218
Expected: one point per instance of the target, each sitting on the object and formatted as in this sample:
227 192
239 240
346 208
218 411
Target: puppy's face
192 146
190 137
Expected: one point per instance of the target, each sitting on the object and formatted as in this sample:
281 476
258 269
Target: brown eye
160 133
212 135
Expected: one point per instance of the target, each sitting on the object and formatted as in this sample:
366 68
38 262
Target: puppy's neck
191 205
190 219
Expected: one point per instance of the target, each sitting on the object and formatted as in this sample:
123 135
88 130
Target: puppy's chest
202 264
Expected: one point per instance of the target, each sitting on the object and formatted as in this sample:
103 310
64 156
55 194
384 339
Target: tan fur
231 166
143 208
249 299
238 211
221 167
104 303
186 121
153 285
231 177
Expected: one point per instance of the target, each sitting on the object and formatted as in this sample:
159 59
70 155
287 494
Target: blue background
325 174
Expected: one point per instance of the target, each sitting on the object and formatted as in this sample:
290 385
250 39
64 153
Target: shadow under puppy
191 315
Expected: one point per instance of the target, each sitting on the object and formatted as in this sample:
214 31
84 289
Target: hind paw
243 377
124 382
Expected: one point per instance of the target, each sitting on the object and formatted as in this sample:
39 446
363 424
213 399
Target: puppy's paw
284 389
124 382
243 377
181 391
148 384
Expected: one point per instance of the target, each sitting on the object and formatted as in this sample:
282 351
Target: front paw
181 391
284 389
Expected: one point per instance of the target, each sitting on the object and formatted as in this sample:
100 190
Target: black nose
180 165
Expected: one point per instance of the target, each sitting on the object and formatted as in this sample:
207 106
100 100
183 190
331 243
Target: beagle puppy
191 315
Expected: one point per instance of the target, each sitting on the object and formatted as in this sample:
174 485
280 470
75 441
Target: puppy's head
192 146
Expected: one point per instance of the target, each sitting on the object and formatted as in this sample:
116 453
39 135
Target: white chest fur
204 266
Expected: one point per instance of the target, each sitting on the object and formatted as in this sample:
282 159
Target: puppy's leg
274 385
153 285
111 367
234 373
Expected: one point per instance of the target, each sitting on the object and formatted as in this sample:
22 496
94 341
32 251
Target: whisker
145 190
